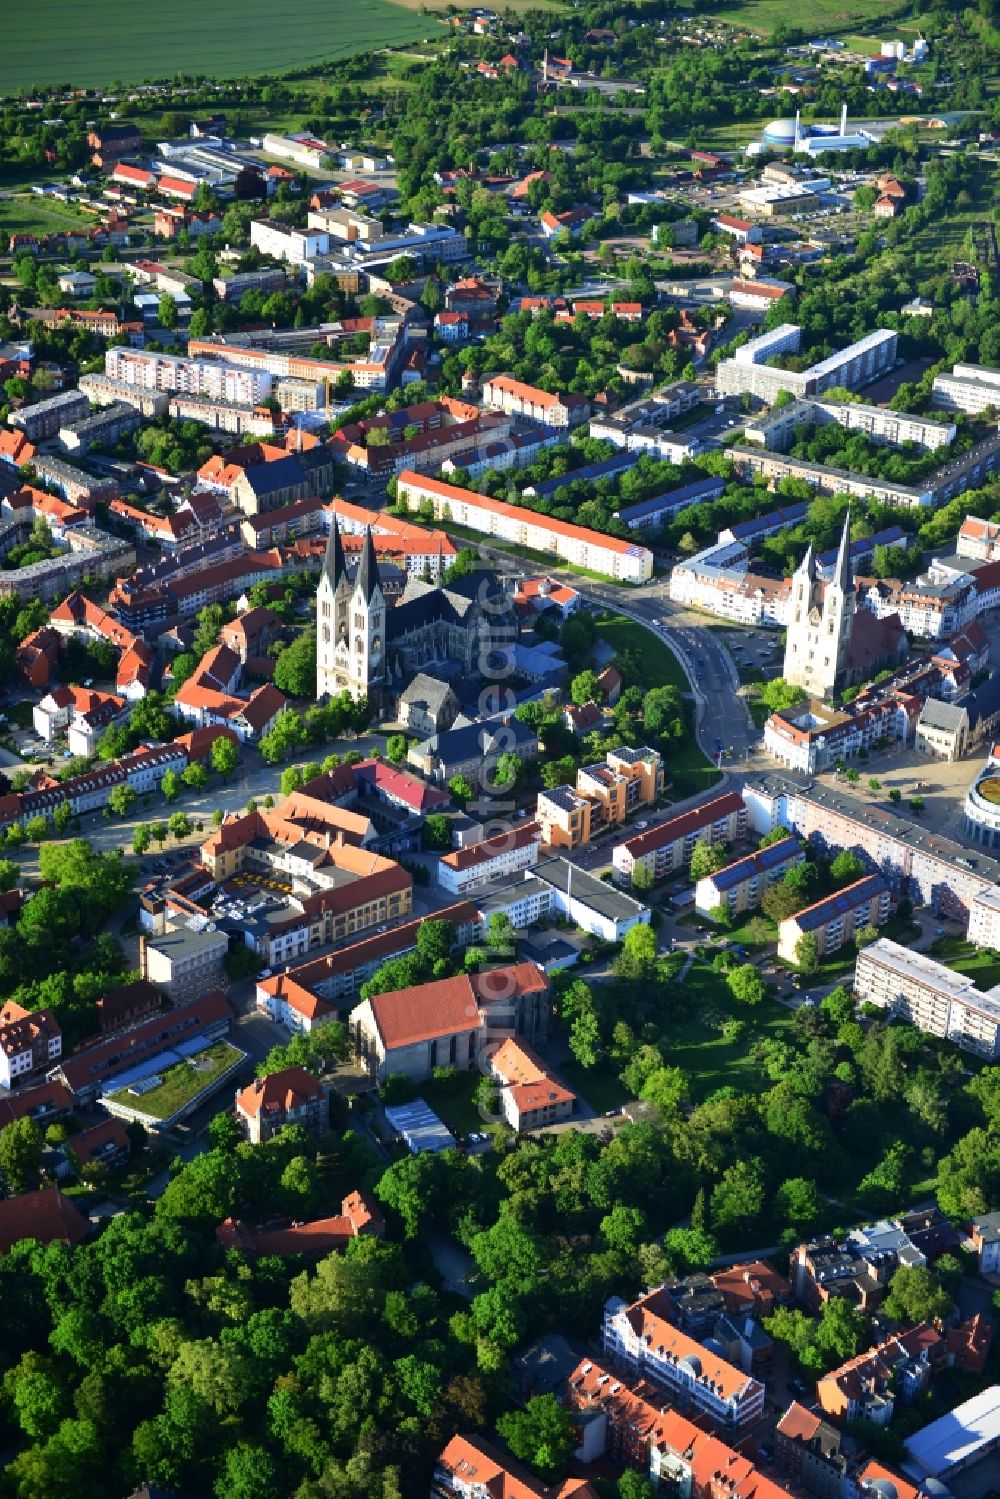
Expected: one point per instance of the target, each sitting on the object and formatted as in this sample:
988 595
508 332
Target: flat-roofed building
186 962
969 387
589 902
929 995
564 817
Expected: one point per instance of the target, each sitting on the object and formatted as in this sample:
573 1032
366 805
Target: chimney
843 119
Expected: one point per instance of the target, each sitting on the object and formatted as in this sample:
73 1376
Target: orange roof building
359 1215
291 1096
473 1469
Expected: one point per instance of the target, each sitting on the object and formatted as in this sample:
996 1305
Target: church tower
333 599
367 658
819 631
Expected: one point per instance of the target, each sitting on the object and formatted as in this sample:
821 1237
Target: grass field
29 214
181 1082
821 17
980 964
54 42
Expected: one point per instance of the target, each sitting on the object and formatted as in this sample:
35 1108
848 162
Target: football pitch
56 42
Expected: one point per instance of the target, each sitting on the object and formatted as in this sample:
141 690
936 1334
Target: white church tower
350 622
819 631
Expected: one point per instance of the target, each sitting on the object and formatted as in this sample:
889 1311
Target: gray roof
939 715
426 691
588 889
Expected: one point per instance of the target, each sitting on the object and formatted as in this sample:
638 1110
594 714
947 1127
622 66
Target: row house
813 738
932 607
642 1339
868 1386
515 398
667 848
834 920
472 1468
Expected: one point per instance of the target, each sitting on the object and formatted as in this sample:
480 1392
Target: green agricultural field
821 18
54 42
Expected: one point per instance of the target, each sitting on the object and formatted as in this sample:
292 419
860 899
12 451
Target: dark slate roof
265 478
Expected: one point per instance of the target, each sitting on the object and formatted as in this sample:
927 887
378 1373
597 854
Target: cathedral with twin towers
373 649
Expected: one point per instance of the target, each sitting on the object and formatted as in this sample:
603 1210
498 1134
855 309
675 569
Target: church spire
334 565
808 564
368 575
842 576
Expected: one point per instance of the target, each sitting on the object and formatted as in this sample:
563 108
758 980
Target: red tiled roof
278 1092
687 822
492 848
47 1216
423 1012
87 1146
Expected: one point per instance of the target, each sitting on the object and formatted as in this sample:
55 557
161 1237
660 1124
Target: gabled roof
446 1007
277 1093
47 1216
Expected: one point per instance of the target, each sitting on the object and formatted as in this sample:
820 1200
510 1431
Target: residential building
984 1235
30 1041
645 1342
835 919
564 818
473 1469
979 539
972 388
574 544
667 848
776 430
496 858
929 995
867 1387
315 1239
746 371
291 1096
739 887
530 1097
105 1146
43 419
810 1450
46 1216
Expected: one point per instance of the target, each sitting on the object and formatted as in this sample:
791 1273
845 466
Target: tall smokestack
545 66
795 145
843 119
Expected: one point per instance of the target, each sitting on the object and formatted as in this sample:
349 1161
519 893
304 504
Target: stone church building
455 633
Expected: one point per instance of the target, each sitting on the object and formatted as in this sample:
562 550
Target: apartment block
810 1451
564 817
835 919
739 886
497 858
214 380
44 418
747 371
924 867
697 1381
867 1387
291 1096
777 429
626 780
505 393
30 1040
667 848
472 1468
541 533
929 995
970 388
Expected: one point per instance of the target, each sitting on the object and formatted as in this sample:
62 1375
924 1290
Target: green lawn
697 1046
688 770
30 214
980 964
452 1099
598 1085
57 43
181 1082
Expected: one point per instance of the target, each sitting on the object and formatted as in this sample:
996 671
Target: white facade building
930 996
541 533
